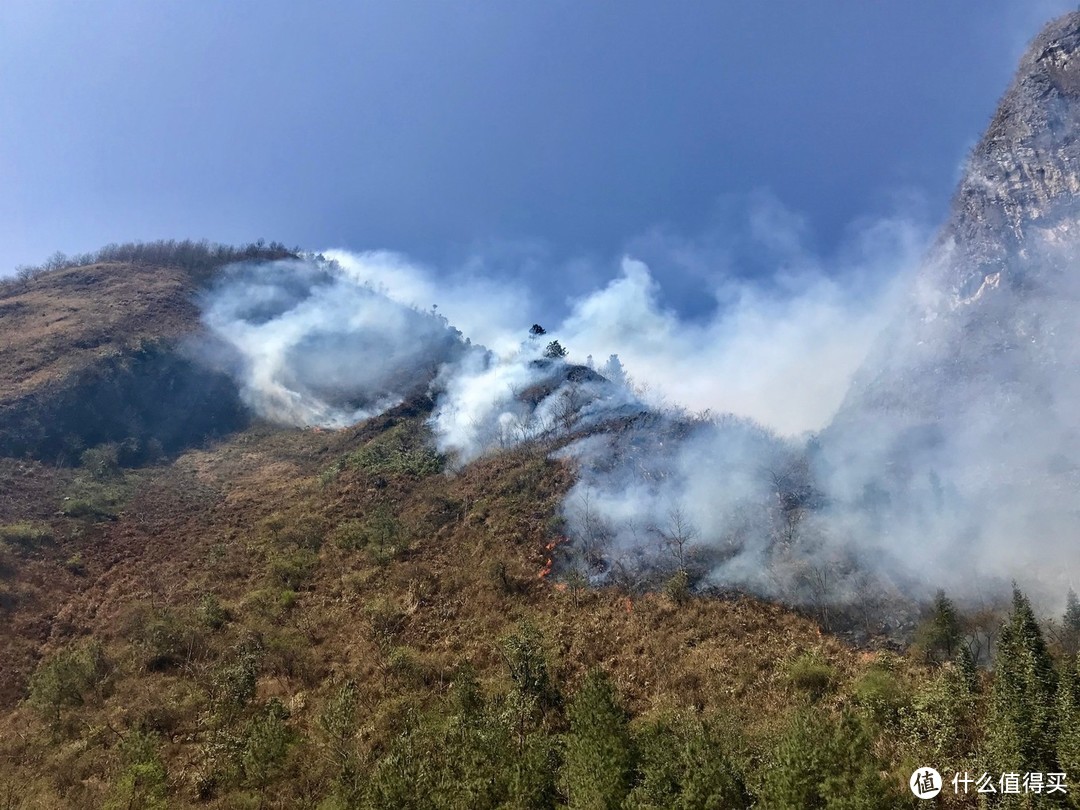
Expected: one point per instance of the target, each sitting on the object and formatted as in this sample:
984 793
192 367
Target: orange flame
549 561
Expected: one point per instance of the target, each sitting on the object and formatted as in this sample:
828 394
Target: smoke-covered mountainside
960 436
1010 236
275 531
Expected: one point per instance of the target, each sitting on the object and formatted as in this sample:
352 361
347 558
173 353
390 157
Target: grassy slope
61 322
266 523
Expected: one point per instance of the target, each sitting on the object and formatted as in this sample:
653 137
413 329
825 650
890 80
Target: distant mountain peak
1024 174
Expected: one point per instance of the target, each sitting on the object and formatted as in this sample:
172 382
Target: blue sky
533 134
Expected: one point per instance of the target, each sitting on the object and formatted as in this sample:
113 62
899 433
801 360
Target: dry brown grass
223 520
63 321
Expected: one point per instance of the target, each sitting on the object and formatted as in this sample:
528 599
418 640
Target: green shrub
143 782
880 696
812 675
211 613
397 451
387 620
823 763
271 603
684 764
599 750
294 568
298 528
266 744
98 493
101 462
25 535
85 508
939 724
379 533
233 684
677 588
162 639
64 679
74 564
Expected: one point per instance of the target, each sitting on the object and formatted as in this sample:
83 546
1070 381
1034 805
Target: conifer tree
822 764
940 634
1068 707
1070 624
1021 732
684 766
599 751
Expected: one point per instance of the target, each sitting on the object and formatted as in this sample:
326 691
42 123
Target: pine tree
1070 624
683 765
939 635
599 752
338 724
555 351
1068 708
1021 732
821 764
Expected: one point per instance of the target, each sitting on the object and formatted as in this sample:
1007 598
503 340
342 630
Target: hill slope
203 609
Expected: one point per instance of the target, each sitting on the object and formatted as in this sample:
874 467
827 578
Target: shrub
683 764
812 675
599 751
677 588
271 603
387 621
822 763
555 351
143 782
939 723
397 451
211 613
939 635
338 723
300 529
880 696
162 640
85 508
64 679
25 535
266 743
380 534
294 568
234 682
74 564
101 462
525 657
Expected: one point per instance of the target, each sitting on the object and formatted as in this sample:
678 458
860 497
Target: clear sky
555 129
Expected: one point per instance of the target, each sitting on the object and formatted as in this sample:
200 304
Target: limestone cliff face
974 389
1023 178
989 301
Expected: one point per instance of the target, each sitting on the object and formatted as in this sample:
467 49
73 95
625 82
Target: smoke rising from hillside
897 501
311 345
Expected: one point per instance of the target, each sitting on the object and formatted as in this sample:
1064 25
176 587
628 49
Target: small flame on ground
549 562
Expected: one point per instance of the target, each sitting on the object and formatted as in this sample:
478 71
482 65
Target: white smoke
312 345
735 493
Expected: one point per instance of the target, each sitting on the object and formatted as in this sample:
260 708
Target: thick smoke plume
709 445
